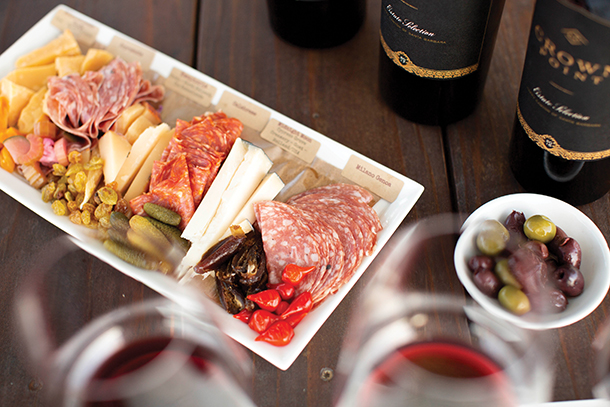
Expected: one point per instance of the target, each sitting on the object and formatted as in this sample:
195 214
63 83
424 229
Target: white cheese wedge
247 178
268 189
140 150
139 184
114 149
209 204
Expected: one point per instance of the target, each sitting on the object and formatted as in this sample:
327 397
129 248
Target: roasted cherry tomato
294 319
278 334
301 304
294 274
261 320
282 307
243 315
286 290
267 300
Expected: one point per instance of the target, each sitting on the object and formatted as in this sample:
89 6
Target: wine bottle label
564 98
434 39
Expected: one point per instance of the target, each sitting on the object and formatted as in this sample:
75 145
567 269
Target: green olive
492 237
505 275
540 228
514 300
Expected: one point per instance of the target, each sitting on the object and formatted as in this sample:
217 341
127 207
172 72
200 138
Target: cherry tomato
267 300
278 334
286 290
282 307
301 304
243 315
294 274
260 320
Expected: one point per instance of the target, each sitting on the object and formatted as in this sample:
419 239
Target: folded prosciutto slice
89 104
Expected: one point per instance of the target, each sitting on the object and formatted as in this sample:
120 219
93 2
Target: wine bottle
434 56
560 144
316 23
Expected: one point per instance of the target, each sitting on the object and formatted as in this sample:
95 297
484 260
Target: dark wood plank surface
332 91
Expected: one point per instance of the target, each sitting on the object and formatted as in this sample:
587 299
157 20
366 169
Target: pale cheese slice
268 189
18 97
136 129
198 224
114 149
140 150
127 117
32 77
140 182
247 178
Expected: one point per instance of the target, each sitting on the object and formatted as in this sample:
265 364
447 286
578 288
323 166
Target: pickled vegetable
540 228
514 300
162 214
492 238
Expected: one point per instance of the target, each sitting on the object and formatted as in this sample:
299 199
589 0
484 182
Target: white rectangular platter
391 213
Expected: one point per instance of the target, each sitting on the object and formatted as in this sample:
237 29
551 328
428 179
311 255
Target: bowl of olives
533 260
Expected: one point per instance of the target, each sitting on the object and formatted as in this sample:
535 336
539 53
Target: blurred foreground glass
154 353
601 364
406 347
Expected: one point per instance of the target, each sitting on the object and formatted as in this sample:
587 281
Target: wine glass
153 353
409 346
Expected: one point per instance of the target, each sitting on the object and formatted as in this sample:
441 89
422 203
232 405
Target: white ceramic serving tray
391 214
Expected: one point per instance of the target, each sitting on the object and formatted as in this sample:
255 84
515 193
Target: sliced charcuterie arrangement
192 199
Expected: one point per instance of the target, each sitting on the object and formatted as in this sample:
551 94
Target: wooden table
332 91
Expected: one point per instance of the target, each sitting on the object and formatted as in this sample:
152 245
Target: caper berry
540 228
514 300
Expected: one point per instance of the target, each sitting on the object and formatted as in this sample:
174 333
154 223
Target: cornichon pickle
162 214
172 233
144 227
135 257
119 221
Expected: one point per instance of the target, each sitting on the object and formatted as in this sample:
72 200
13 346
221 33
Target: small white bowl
595 265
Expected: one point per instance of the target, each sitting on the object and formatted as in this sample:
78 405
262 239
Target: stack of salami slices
189 164
331 227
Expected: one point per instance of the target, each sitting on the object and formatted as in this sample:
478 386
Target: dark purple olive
481 262
539 248
487 282
529 269
569 279
567 250
549 301
514 224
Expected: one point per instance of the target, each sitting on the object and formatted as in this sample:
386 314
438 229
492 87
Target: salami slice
172 190
286 240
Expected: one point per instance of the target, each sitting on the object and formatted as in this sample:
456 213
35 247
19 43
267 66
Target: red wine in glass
410 374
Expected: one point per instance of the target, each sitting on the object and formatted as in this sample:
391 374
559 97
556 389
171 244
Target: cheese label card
375 180
190 87
131 52
251 115
84 32
291 140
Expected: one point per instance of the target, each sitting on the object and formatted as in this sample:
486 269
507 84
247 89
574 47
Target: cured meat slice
286 240
368 221
338 223
343 191
89 104
200 146
172 190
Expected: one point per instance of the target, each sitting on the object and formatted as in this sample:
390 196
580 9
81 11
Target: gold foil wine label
190 87
291 140
372 178
84 32
129 51
250 114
